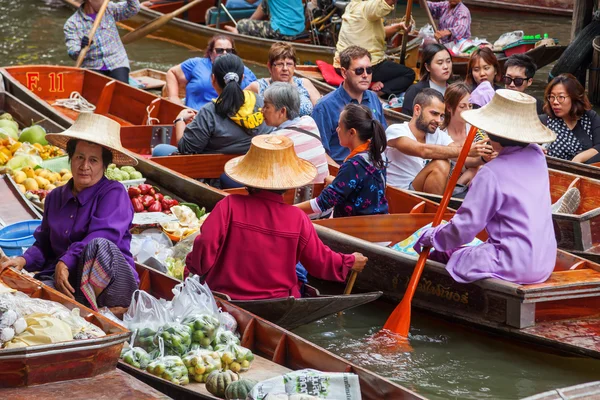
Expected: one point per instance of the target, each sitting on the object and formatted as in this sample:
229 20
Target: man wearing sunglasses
519 70
357 72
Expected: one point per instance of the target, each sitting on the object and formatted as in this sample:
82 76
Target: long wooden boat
529 312
584 391
587 170
554 7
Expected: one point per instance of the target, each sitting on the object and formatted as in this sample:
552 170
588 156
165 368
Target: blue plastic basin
16 238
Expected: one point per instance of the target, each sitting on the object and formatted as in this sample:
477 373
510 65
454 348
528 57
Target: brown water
447 361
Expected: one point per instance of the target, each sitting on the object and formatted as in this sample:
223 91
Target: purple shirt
70 223
510 198
457 20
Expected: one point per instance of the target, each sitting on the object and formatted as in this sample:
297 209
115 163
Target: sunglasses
518 81
361 70
220 50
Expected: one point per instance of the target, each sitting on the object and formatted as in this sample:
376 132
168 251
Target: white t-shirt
403 169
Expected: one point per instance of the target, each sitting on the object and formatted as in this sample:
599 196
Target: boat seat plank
572 279
197 165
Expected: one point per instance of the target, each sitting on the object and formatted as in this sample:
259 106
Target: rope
76 102
151 120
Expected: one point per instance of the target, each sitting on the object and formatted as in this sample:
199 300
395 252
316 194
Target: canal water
447 361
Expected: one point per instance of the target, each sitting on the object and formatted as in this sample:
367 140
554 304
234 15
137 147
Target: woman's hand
187 115
61 280
442 34
359 262
15 262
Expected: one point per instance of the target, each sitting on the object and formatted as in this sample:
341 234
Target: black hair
523 61
253 190
360 118
429 51
232 96
506 142
425 96
107 155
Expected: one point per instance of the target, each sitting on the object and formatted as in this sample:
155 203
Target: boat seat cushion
329 74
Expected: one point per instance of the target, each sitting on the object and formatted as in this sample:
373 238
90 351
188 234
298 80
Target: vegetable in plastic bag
235 357
177 338
204 328
200 363
170 368
145 316
136 356
225 337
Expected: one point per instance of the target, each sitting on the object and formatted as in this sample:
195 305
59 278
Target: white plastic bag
145 316
508 38
193 298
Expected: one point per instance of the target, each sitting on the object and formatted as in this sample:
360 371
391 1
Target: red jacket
250 245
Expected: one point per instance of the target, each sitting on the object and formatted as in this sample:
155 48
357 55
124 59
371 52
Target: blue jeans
163 150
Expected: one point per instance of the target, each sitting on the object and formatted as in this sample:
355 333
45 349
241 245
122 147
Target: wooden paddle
83 52
429 16
409 4
156 24
399 320
228 14
350 283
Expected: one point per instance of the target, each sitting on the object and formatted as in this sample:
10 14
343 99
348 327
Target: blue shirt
358 189
287 16
241 4
327 113
199 90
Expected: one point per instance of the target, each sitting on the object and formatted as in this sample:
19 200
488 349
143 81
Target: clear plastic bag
225 337
200 363
80 327
227 321
507 38
235 357
204 328
135 356
193 298
170 368
177 338
145 316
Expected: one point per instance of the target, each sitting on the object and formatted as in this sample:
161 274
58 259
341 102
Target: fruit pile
146 198
29 179
9 146
125 173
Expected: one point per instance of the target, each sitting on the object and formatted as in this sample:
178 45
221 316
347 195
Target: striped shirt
307 147
107 49
456 20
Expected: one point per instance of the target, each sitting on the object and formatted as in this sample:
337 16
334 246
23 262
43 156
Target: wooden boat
555 7
277 352
587 170
193 33
584 391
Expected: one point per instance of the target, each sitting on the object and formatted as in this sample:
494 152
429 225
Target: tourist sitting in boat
106 53
519 70
483 66
281 66
362 25
282 111
195 75
274 19
249 245
569 114
509 198
454 20
82 247
226 125
359 187
436 69
231 4
419 153
357 71
457 99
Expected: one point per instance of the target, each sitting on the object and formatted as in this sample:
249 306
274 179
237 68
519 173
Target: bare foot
231 29
377 86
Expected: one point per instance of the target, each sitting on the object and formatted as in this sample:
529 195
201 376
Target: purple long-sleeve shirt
70 223
510 198
457 20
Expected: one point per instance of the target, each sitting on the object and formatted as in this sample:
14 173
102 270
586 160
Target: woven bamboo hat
95 129
511 115
271 163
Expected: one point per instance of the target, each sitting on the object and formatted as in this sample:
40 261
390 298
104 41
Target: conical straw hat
96 129
271 163
511 115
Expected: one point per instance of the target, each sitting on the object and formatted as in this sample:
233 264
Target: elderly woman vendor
509 198
82 245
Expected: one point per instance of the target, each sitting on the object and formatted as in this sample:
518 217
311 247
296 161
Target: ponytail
228 70
361 119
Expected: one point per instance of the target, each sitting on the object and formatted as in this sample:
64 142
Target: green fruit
8 133
217 382
34 134
12 125
197 336
239 389
7 116
205 342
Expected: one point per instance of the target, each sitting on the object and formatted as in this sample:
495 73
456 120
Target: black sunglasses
361 70
220 50
518 81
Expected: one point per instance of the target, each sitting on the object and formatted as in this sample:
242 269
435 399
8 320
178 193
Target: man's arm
427 151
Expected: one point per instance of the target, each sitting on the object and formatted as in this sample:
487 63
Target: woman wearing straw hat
249 245
509 198
82 245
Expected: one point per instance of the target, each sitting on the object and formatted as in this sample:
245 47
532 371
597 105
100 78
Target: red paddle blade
387 342
399 321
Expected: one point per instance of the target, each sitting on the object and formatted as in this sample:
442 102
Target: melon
217 382
34 134
8 132
239 389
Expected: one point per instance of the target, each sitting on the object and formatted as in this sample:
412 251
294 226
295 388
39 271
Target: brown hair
454 93
281 51
489 57
579 101
427 55
352 53
213 40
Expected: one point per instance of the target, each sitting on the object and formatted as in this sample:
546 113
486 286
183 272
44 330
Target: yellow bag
41 329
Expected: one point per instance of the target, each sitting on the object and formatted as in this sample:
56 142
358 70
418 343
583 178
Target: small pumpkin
217 382
239 389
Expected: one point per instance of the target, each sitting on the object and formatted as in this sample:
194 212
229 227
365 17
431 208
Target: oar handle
83 52
228 14
429 16
405 33
184 8
350 283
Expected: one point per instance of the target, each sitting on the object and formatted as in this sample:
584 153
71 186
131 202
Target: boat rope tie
75 102
151 120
